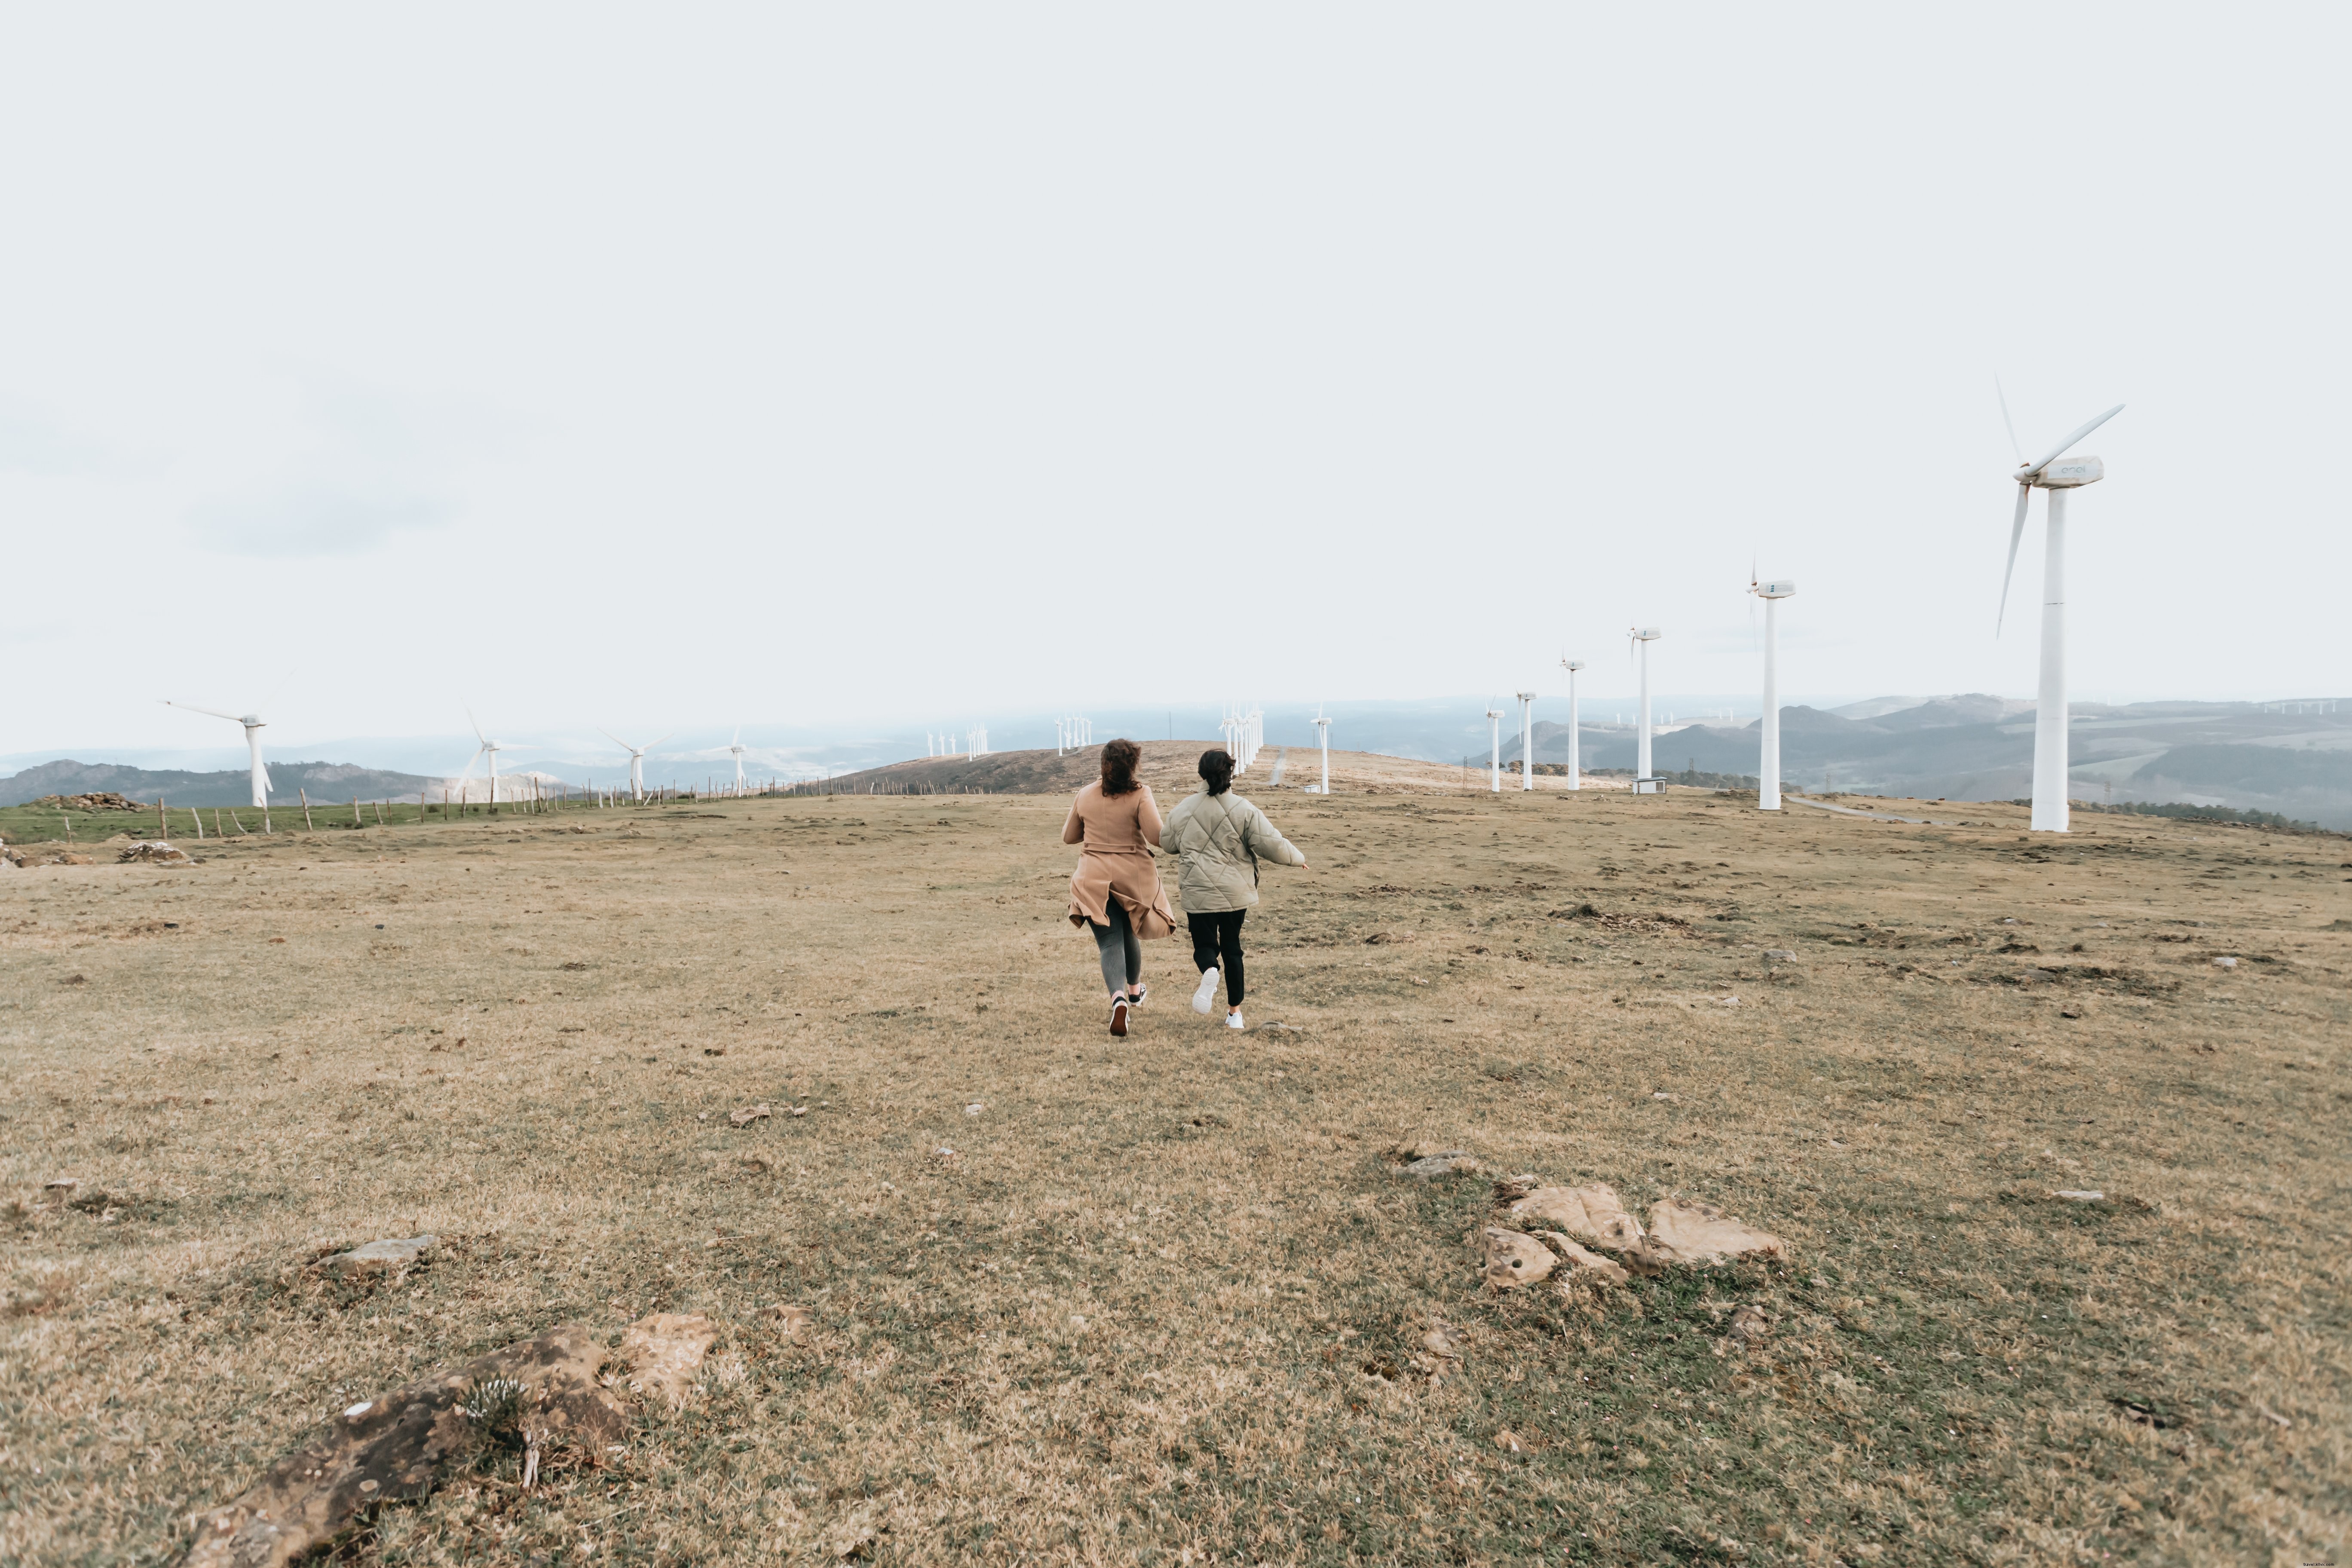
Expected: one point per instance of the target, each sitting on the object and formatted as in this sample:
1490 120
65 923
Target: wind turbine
1644 782
489 748
1323 739
1767 777
1575 780
637 762
1494 751
2049 772
252 722
736 748
1526 740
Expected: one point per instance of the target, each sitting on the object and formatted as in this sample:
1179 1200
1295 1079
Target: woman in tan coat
1115 892
1218 839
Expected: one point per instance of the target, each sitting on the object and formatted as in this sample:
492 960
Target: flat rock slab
399 1447
377 1257
664 1353
1445 1162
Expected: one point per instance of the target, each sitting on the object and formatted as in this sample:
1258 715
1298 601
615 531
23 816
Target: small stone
1444 1162
1779 954
746 1117
379 1255
2225 963
789 1319
1515 1258
2080 1195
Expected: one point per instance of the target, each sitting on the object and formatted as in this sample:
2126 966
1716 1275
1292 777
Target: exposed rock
1703 1235
744 1117
1591 1213
2079 1196
401 1444
156 850
1779 954
664 1353
1584 1264
105 800
379 1257
1444 1162
43 854
1515 1258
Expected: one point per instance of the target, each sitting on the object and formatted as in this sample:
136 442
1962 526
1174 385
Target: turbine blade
2060 449
2005 419
616 740
477 723
232 718
2016 533
651 744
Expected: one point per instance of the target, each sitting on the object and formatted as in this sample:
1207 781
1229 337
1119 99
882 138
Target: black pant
1217 939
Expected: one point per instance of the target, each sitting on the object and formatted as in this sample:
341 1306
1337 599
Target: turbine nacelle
2071 474
1783 588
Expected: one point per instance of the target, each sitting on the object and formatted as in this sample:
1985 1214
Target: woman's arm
1267 844
1147 816
1074 827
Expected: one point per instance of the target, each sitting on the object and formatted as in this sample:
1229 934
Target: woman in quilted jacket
1218 839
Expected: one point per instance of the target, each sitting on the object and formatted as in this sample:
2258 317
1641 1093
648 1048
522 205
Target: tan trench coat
1115 834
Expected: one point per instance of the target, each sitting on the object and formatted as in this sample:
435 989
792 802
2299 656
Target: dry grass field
1169 1300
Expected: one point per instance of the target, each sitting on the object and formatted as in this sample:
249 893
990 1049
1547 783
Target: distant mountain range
1967 746
325 782
1978 747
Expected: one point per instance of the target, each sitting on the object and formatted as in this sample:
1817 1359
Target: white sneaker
1207 991
1233 1021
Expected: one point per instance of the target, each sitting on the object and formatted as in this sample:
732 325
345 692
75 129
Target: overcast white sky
661 368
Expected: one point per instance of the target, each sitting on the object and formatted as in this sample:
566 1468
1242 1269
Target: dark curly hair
1118 760
1217 768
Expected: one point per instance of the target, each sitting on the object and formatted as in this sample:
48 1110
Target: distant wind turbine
253 744
637 762
253 726
1575 780
2051 812
1494 750
736 748
1768 775
489 748
1644 782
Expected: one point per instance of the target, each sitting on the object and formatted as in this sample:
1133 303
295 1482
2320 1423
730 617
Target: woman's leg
1111 950
1133 944
1204 941
1229 952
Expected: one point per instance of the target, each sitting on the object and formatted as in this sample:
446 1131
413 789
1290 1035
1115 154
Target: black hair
1217 768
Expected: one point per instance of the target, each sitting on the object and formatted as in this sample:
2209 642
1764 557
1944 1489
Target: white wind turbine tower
2050 770
253 724
1323 739
1575 779
1644 782
1768 776
1494 751
736 748
637 762
1526 740
489 748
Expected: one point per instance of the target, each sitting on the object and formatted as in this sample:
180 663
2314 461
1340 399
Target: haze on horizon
858 369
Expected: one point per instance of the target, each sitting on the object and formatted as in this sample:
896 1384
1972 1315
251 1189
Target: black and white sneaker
1118 1018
